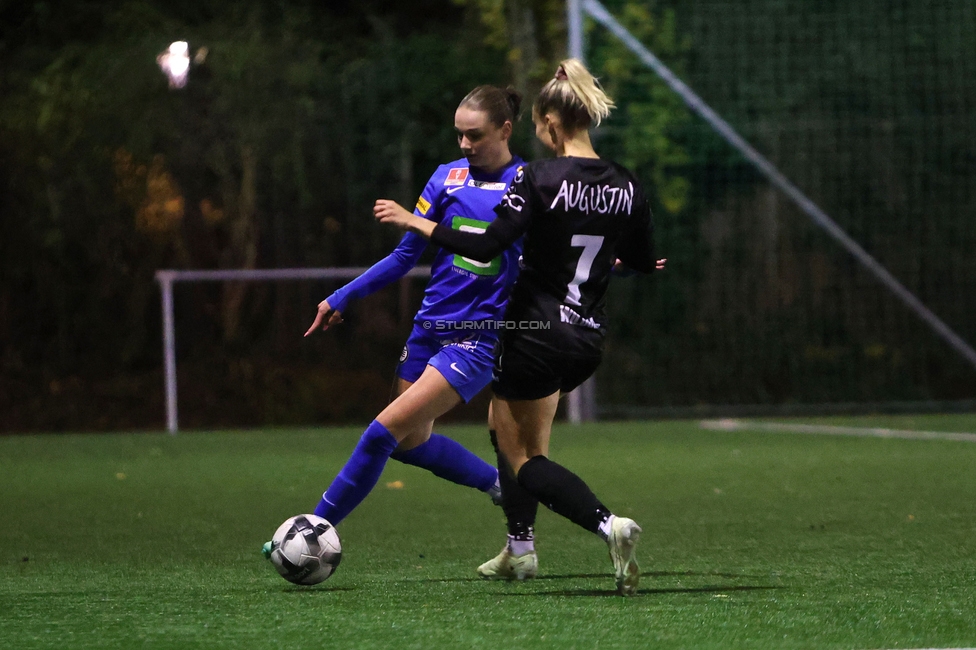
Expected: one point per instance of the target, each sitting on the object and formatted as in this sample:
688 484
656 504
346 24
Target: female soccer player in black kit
580 216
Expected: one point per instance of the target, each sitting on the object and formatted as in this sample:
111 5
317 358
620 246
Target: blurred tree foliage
271 156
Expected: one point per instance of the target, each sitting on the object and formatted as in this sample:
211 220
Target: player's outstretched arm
392 267
325 318
482 246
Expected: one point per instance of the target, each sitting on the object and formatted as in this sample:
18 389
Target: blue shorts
465 360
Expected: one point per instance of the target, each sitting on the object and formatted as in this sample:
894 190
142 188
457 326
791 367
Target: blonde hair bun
575 95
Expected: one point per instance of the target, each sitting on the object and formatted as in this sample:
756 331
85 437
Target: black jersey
578 215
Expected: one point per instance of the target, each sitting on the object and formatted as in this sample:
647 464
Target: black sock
563 492
519 506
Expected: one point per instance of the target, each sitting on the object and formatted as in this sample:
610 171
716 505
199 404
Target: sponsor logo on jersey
519 174
474 266
567 315
594 198
456 176
484 185
454 189
423 205
404 354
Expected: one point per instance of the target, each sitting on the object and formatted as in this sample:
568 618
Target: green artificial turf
751 540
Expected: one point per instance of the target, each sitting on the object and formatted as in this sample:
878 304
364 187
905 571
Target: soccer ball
305 550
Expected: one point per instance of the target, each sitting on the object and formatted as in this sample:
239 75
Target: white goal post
167 278
576 409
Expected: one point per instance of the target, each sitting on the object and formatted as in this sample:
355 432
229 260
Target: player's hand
391 212
660 264
325 318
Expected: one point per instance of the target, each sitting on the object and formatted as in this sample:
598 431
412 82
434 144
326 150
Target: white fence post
165 279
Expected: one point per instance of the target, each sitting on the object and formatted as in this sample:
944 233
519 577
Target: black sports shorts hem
525 371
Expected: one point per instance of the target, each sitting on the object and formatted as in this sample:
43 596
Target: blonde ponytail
575 95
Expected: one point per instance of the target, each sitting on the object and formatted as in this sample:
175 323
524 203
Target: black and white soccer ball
306 550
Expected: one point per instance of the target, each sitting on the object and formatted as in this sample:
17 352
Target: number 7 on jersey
591 245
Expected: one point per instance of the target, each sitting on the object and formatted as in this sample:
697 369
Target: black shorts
526 369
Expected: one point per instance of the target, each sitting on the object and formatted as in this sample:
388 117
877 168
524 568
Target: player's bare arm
391 212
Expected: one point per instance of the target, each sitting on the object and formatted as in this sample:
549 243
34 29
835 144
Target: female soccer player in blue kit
449 355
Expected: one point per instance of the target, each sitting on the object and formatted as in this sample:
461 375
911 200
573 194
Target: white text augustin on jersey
596 198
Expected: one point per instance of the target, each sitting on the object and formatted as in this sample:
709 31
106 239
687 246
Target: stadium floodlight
175 63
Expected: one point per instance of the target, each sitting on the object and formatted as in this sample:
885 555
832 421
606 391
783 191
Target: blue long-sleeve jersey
460 290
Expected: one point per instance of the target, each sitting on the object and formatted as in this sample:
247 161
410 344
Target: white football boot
506 566
623 538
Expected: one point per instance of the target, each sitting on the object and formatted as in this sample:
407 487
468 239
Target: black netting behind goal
870 109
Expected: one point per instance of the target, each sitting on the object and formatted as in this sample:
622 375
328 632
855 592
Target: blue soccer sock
359 475
450 460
